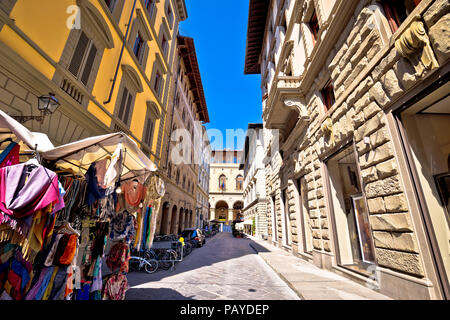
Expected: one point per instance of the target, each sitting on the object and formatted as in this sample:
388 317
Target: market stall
69 211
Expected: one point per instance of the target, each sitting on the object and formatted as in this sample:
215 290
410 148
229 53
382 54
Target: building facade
226 186
203 180
182 144
255 206
107 62
355 101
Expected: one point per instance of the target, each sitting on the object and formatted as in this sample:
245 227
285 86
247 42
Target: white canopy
79 155
34 140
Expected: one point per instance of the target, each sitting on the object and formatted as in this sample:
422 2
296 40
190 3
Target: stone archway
181 218
237 210
174 220
221 210
165 219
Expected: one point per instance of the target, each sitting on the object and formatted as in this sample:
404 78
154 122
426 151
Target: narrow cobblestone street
225 268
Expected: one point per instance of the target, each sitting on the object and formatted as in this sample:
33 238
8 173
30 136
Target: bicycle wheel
168 256
151 266
134 265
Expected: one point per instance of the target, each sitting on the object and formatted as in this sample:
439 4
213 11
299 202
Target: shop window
398 10
302 202
314 27
328 97
83 58
350 212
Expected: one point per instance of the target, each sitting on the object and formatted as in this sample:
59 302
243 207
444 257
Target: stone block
371 110
316 233
314 214
391 84
5 96
369 174
387 169
317 244
396 241
438 9
402 261
356 71
324 224
358 120
338 57
343 75
319 193
440 39
361 103
3 79
376 205
323 212
380 96
327 245
22 105
383 187
405 73
326 234
399 222
16 89
386 63
396 203
370 126
377 155
379 137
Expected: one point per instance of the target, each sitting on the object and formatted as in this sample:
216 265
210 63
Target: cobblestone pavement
226 268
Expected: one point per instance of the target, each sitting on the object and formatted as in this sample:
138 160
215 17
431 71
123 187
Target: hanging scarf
10 156
115 287
94 192
149 229
122 226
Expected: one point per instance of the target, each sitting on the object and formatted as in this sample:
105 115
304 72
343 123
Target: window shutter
127 115
149 132
122 104
88 66
78 55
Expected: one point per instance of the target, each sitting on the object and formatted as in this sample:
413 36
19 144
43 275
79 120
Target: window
139 48
328 95
354 236
150 6
169 15
164 45
222 183
239 182
157 83
111 4
148 131
398 11
314 27
125 108
83 59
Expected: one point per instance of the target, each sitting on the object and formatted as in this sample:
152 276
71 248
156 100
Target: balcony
72 90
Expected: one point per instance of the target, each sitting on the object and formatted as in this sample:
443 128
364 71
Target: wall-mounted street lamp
47 104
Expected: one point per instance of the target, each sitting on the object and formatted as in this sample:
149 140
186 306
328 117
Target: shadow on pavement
220 248
154 294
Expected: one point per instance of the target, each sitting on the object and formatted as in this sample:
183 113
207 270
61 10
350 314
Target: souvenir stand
69 211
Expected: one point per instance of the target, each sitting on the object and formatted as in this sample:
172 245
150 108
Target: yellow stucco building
108 62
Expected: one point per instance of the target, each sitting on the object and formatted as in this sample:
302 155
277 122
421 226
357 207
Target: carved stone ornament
288 65
414 45
327 127
297 105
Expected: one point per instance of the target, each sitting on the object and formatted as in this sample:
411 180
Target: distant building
255 207
226 186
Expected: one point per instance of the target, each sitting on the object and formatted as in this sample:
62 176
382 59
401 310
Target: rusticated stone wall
369 75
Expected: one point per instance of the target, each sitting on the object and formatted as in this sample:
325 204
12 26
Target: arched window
239 182
223 182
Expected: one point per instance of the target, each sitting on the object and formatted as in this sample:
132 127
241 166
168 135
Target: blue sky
219 29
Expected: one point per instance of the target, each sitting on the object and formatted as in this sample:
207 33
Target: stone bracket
414 45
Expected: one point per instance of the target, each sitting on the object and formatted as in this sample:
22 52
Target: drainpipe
121 54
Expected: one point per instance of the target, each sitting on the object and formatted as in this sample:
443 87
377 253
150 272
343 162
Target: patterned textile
10 156
122 226
118 257
115 287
